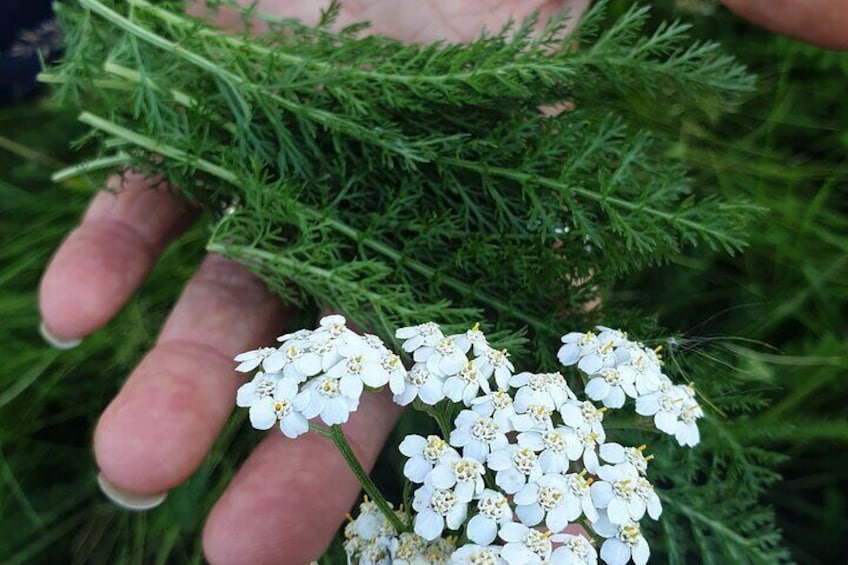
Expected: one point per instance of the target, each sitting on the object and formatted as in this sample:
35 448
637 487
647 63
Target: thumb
821 22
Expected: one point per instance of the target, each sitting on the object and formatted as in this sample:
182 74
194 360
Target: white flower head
473 554
514 466
423 384
477 339
675 412
301 362
584 416
262 385
625 542
447 357
424 454
497 363
408 549
575 550
497 405
477 435
645 364
583 443
330 398
280 407
423 335
575 346
437 508
466 385
622 495
533 417
527 546
556 447
270 358
612 385
494 511
464 476
617 454
546 389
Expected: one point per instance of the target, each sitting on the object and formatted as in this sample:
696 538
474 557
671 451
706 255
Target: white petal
351 386
602 493
636 508
499 460
248 365
613 552
429 525
476 450
665 422
412 445
641 552
309 364
431 391
557 519
294 425
568 354
612 452
406 397
615 398
572 415
441 477
246 395
454 388
262 416
529 494
597 389
531 514
274 362
510 480
286 388
465 491
513 532
457 516
482 530
335 411
416 469
590 364
617 511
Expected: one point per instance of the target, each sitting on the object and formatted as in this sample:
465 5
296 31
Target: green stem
107 162
336 434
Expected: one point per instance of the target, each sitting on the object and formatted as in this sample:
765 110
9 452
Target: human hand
821 22
160 426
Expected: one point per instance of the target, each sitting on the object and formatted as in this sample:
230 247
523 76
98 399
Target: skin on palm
162 423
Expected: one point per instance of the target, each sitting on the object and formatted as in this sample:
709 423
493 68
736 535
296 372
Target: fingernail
129 500
54 340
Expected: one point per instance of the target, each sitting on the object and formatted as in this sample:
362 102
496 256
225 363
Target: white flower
675 412
584 416
546 389
644 363
478 341
421 383
624 542
533 417
645 491
359 363
466 385
447 357
617 337
617 454
300 361
295 336
555 447
495 362
427 334
262 385
526 546
622 495
268 410
408 549
436 508
331 399
585 444
371 522
612 385
497 405
473 554
514 466
271 359
464 476
575 346
494 511
439 551
575 550
424 454
477 435
392 370
332 327
542 500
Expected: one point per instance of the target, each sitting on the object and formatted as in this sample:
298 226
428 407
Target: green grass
778 311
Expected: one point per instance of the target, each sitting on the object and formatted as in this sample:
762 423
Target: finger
103 261
165 418
290 496
821 22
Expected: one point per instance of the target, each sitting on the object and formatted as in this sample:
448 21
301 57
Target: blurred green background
778 311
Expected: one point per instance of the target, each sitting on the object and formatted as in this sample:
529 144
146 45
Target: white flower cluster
370 539
619 368
526 474
320 372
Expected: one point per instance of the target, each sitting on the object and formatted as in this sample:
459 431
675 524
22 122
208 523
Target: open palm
289 498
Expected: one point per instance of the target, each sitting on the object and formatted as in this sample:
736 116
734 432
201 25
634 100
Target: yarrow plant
537 482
